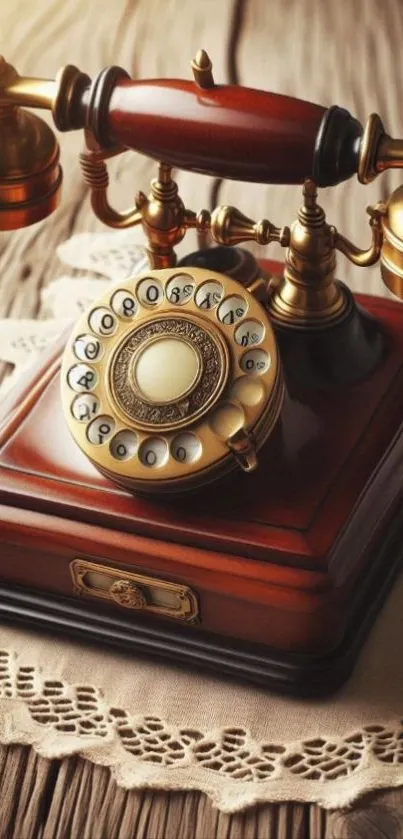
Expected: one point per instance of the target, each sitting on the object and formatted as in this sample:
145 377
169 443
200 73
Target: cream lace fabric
155 725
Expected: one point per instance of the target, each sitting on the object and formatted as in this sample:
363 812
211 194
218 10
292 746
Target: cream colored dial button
209 295
153 452
124 304
100 430
85 407
232 309
150 292
249 390
255 361
87 348
102 322
249 333
186 448
124 445
82 378
166 370
227 419
180 289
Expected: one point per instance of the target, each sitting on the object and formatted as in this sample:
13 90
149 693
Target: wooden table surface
346 53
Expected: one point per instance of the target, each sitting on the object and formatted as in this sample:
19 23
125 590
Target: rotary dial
171 379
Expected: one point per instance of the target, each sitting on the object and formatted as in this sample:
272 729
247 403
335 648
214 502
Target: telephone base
274 577
298 675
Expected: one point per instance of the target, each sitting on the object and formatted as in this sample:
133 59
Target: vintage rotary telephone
173 378
205 370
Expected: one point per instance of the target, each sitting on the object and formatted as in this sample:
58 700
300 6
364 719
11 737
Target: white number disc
100 430
150 292
255 361
102 322
124 445
124 304
180 289
232 310
209 295
186 448
153 452
87 348
85 407
82 378
249 333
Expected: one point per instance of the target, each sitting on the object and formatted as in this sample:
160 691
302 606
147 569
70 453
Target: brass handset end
378 151
30 174
392 247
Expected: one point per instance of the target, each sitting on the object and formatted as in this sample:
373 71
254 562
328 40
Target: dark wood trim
296 674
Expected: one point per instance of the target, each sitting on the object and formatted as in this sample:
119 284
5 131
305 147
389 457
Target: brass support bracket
95 174
364 258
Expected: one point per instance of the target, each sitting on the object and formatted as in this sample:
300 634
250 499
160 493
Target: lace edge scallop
235 770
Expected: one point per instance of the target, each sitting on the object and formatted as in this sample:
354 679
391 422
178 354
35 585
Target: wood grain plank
73 799
331 53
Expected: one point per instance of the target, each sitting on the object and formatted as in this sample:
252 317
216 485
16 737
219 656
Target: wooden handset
227 131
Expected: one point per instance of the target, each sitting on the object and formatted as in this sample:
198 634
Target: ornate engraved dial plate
205 388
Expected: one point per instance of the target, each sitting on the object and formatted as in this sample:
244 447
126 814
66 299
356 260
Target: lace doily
104 257
158 726
82 712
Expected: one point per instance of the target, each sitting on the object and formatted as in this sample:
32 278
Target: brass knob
228 226
127 594
202 69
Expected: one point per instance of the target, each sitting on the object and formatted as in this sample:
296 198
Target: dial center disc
166 369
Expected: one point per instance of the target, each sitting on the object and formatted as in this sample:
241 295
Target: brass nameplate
134 591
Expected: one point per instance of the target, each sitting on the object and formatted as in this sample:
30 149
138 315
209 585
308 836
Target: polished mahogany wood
227 131
278 558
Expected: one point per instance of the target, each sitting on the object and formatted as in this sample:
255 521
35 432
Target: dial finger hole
227 419
180 289
186 448
150 292
232 310
124 445
124 304
255 362
87 348
100 430
249 333
209 295
82 378
154 452
85 407
102 321
249 390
